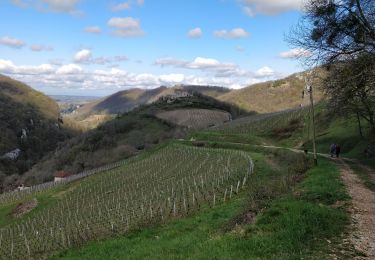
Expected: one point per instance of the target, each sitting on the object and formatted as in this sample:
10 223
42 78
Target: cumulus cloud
295 53
264 72
40 47
109 60
120 6
172 78
76 77
125 27
235 33
69 69
199 63
270 7
209 65
82 56
61 6
195 33
93 29
7 66
11 42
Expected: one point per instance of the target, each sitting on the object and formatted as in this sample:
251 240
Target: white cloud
264 72
199 63
85 56
63 6
69 69
75 77
169 61
7 66
40 47
172 78
235 33
11 42
195 33
121 7
209 65
125 27
295 53
82 56
270 7
140 2
108 60
93 29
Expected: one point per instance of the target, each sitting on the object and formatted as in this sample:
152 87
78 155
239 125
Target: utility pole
310 91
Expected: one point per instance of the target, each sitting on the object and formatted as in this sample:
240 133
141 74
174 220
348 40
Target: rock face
12 155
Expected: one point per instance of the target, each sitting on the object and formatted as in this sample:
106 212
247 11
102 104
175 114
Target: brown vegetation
195 118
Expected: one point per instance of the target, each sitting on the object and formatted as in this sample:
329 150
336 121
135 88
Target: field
195 118
174 182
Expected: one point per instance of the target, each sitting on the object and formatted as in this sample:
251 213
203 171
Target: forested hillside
30 127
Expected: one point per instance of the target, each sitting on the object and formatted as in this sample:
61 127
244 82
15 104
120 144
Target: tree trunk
359 125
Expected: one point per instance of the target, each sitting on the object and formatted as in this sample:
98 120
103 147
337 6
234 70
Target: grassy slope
126 100
269 96
293 225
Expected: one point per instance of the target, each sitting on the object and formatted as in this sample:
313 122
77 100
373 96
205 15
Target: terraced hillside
195 118
172 182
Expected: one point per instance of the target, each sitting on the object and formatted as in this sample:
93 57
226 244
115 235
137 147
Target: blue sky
87 47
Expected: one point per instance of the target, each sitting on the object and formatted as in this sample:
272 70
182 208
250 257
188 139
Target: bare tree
340 36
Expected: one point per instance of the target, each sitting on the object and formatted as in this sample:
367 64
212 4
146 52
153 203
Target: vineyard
18 195
195 118
263 122
175 181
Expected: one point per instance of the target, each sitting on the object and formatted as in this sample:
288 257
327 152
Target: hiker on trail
338 150
332 149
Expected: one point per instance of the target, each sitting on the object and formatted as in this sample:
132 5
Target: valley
224 168
138 129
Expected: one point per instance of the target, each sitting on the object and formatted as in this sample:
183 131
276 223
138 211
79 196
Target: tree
340 36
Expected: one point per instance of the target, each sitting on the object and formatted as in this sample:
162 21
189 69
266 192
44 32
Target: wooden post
310 89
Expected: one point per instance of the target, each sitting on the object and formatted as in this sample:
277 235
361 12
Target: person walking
338 150
332 150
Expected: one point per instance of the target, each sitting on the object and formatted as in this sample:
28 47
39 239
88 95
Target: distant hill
266 97
271 96
29 127
126 100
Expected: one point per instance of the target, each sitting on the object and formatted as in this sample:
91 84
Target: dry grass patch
195 118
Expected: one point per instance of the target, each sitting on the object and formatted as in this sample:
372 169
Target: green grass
291 224
323 184
45 200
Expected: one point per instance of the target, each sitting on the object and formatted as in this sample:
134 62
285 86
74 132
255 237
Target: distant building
61 175
22 187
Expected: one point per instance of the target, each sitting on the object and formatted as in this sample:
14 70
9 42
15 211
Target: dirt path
362 213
